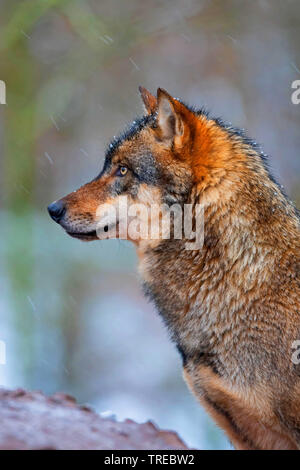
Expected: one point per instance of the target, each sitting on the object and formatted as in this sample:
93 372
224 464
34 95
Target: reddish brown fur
233 308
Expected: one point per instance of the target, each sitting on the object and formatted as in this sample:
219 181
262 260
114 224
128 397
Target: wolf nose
57 210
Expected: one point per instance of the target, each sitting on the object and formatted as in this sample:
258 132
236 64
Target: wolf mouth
91 235
83 235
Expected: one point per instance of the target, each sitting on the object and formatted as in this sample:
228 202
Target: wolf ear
169 120
150 102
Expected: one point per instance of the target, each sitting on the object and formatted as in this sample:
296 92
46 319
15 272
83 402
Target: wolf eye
122 170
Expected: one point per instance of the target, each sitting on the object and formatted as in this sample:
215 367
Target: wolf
232 306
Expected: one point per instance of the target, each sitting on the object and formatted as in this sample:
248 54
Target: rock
31 420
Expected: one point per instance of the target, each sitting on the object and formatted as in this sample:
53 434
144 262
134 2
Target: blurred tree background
72 314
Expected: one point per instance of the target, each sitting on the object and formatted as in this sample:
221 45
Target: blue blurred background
72 315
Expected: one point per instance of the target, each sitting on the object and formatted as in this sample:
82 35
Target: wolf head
166 157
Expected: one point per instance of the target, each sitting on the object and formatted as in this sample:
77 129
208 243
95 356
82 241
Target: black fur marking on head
133 129
147 170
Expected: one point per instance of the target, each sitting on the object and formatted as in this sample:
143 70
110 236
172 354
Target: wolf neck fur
228 275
